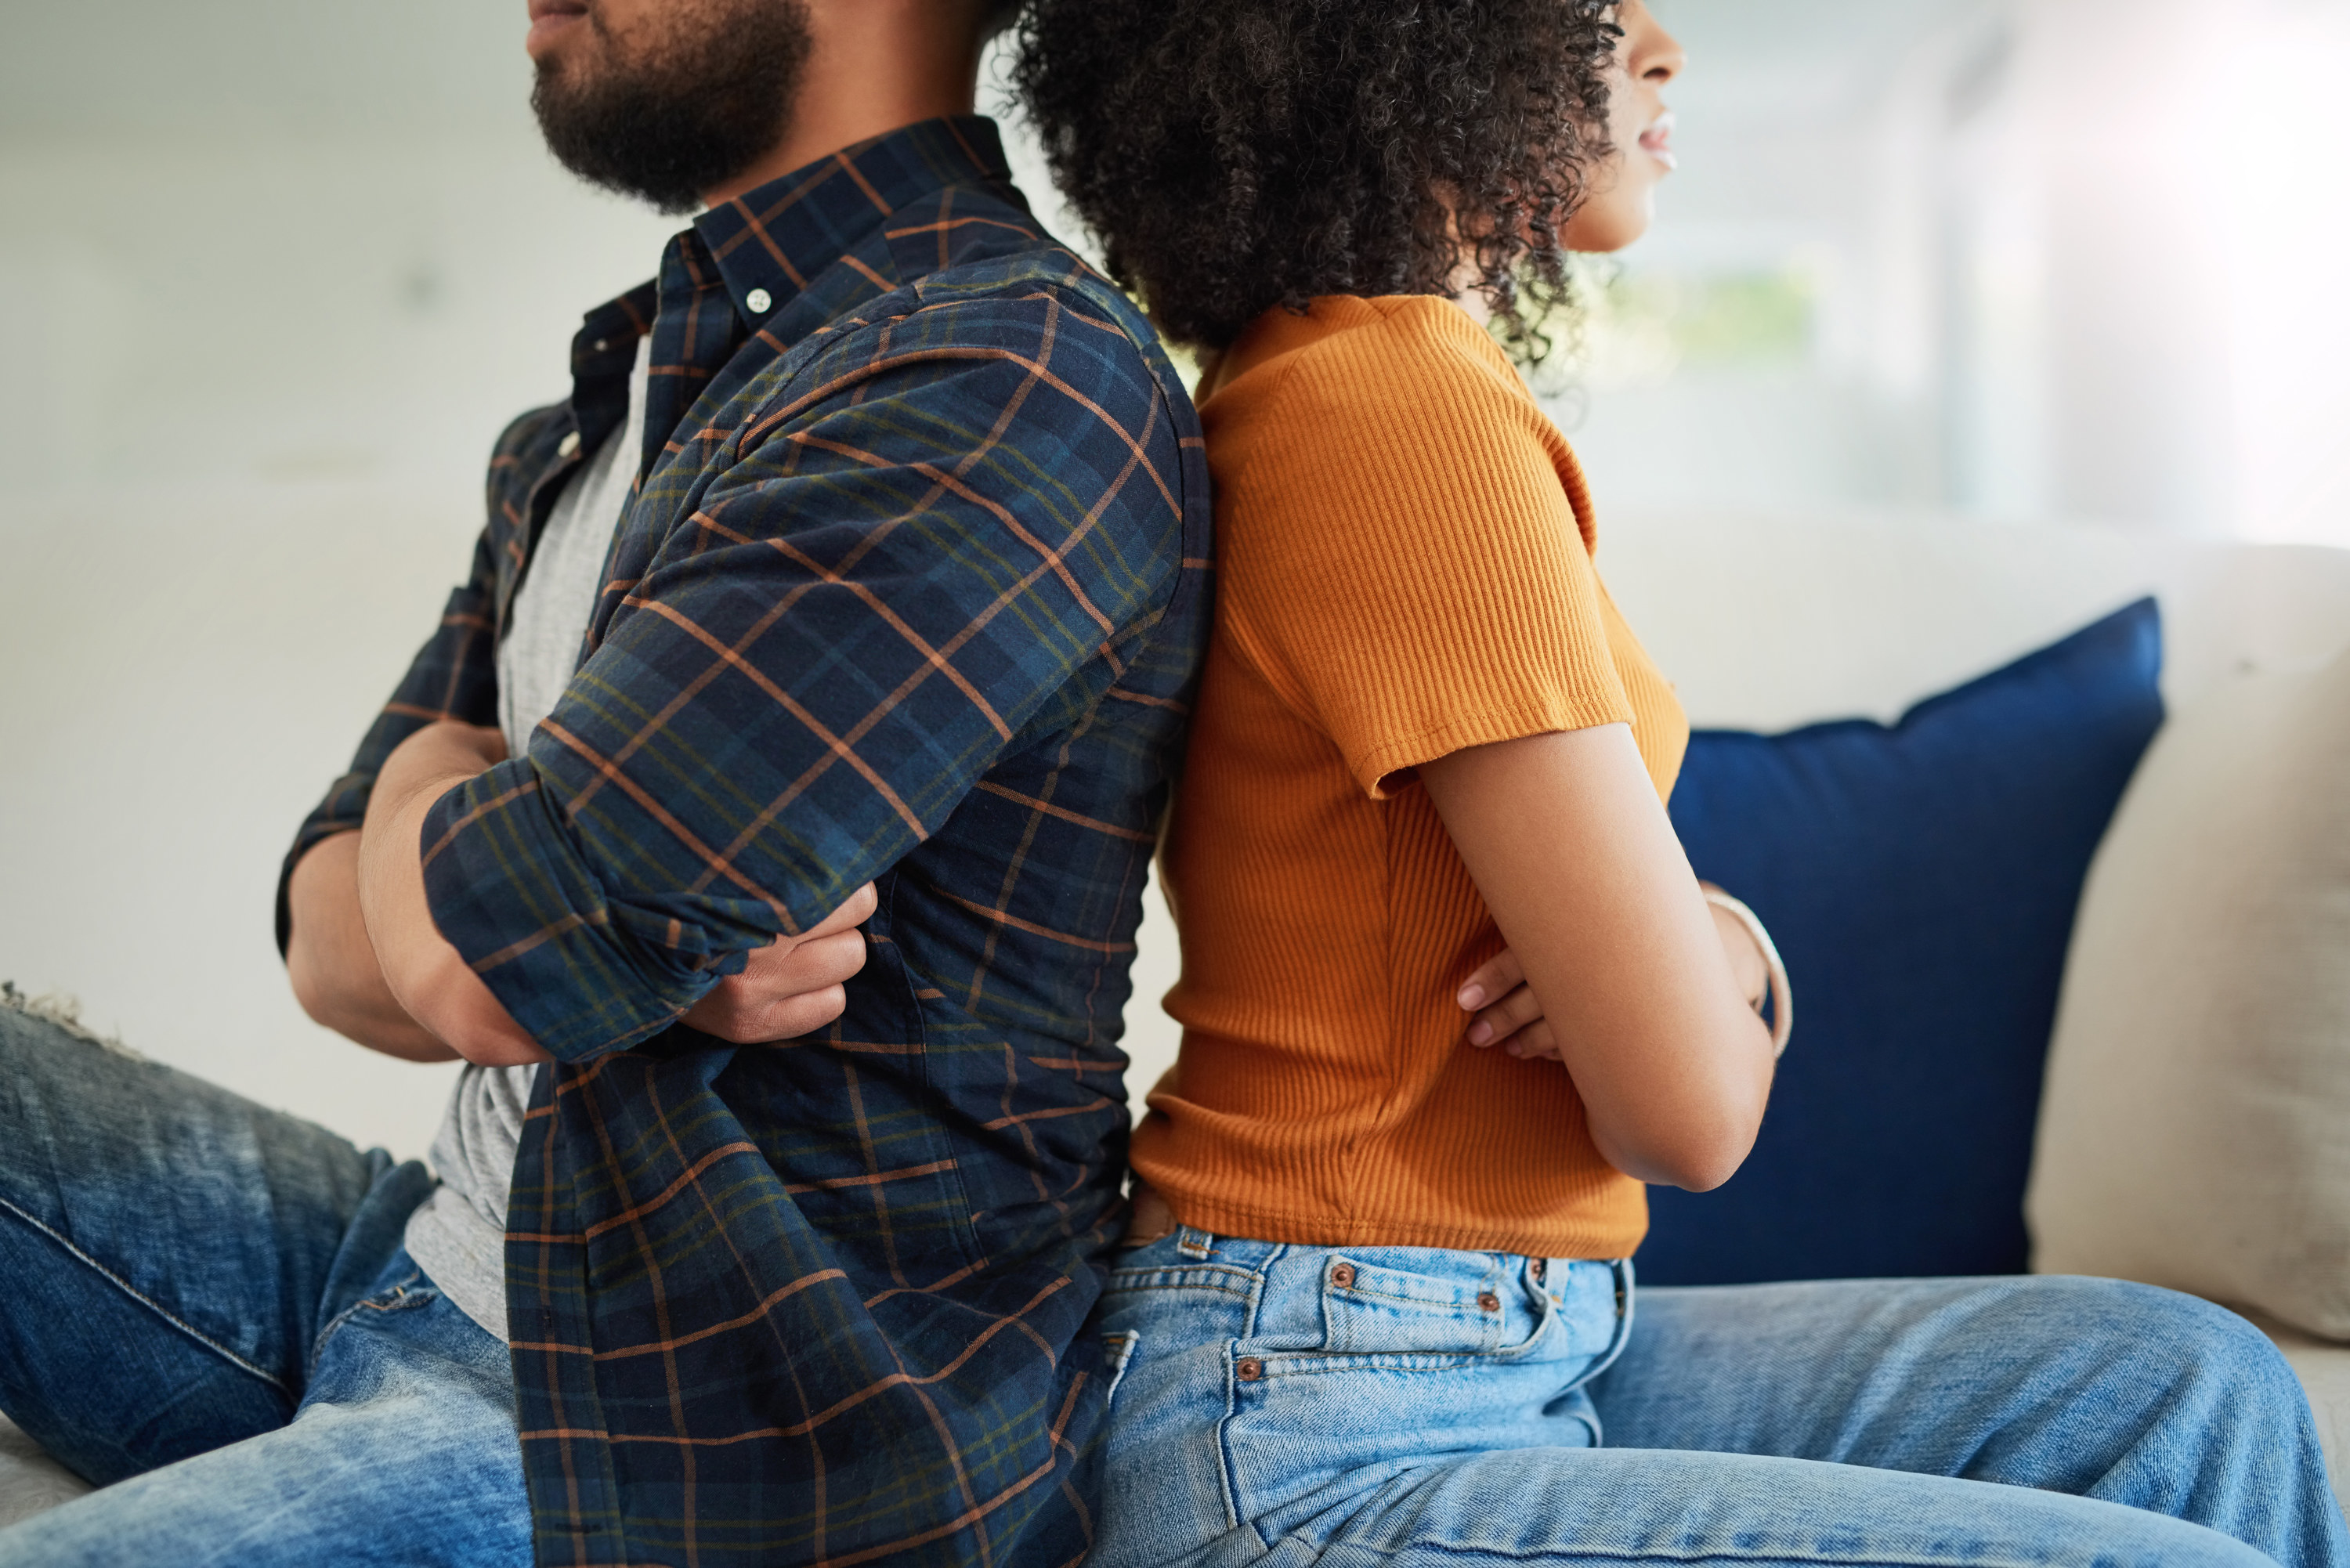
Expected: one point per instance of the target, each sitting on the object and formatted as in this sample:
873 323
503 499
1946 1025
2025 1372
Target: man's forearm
423 972
333 965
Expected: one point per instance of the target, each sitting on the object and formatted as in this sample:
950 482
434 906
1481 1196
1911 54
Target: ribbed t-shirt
1404 569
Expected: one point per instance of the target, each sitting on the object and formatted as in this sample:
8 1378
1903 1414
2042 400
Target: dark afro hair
1235 155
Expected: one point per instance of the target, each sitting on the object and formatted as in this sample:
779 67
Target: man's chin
558 67
668 118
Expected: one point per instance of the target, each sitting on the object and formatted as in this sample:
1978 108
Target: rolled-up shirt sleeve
929 556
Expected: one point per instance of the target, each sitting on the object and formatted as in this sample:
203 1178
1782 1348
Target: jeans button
1537 1268
1343 1276
1490 1302
1249 1369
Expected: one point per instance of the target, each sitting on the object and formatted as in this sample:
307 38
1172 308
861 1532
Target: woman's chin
1611 222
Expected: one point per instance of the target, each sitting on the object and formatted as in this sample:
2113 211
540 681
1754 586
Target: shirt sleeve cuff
1379 769
508 888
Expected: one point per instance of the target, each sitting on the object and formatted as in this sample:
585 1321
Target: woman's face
1623 200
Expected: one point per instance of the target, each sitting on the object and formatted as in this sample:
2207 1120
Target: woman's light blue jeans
1401 1407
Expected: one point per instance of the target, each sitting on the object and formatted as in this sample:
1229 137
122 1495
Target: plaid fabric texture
914 590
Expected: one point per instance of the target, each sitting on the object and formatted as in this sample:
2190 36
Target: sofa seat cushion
31 1481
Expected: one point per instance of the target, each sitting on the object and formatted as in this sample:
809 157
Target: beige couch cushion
2199 1082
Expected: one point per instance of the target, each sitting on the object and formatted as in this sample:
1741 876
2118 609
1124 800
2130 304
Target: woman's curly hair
1235 155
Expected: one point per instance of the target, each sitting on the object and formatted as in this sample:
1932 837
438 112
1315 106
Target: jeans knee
2190 1341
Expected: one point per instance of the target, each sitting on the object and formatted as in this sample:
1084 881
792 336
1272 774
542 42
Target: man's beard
667 112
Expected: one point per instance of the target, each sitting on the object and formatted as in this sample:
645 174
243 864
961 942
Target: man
859 584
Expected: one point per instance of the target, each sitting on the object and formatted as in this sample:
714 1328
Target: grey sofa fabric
30 1481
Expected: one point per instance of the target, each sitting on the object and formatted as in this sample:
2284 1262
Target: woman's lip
1657 142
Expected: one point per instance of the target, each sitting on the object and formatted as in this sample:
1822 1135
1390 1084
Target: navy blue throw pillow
1921 881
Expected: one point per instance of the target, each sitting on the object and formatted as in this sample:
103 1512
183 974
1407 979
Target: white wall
2059 258
278 274
182 669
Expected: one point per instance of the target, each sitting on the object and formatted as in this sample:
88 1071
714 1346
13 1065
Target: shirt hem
1598 1244
1378 768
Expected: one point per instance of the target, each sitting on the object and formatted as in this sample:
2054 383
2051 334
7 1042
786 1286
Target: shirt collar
773 239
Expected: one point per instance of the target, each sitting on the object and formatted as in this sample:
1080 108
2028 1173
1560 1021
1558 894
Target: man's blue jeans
1401 1407
206 1308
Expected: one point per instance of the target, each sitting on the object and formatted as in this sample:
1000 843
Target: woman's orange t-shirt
1403 569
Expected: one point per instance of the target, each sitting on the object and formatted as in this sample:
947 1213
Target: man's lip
549 19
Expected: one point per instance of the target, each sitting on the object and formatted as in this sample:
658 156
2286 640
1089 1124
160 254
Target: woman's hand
1509 1014
1516 1021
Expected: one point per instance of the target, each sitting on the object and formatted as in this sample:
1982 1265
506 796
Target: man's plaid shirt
912 591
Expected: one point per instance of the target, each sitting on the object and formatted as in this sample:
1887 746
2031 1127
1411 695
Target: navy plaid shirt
913 590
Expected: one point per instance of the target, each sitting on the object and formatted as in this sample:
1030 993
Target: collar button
760 301
568 446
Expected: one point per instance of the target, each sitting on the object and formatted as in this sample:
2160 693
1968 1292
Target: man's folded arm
453 676
952 542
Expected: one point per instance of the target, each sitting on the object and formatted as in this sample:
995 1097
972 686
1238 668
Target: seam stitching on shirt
1228 608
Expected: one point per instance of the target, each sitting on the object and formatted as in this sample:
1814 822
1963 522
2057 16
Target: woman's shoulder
1379 379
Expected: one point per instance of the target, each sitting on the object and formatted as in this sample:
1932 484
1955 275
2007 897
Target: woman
1378 1270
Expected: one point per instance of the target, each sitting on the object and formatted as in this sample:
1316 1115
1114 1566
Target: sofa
1771 624
2197 1071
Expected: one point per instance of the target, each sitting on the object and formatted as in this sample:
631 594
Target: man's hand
425 973
1510 1015
790 987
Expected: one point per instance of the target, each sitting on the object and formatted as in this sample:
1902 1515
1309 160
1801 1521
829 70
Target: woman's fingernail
1480 1033
1471 997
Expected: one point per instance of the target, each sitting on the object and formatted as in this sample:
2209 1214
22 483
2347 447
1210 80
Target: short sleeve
1398 553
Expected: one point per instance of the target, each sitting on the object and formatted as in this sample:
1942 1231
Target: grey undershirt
458 1236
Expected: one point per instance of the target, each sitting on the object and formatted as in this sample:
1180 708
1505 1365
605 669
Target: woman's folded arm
1574 854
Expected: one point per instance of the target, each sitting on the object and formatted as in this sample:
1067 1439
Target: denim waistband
1285 1297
